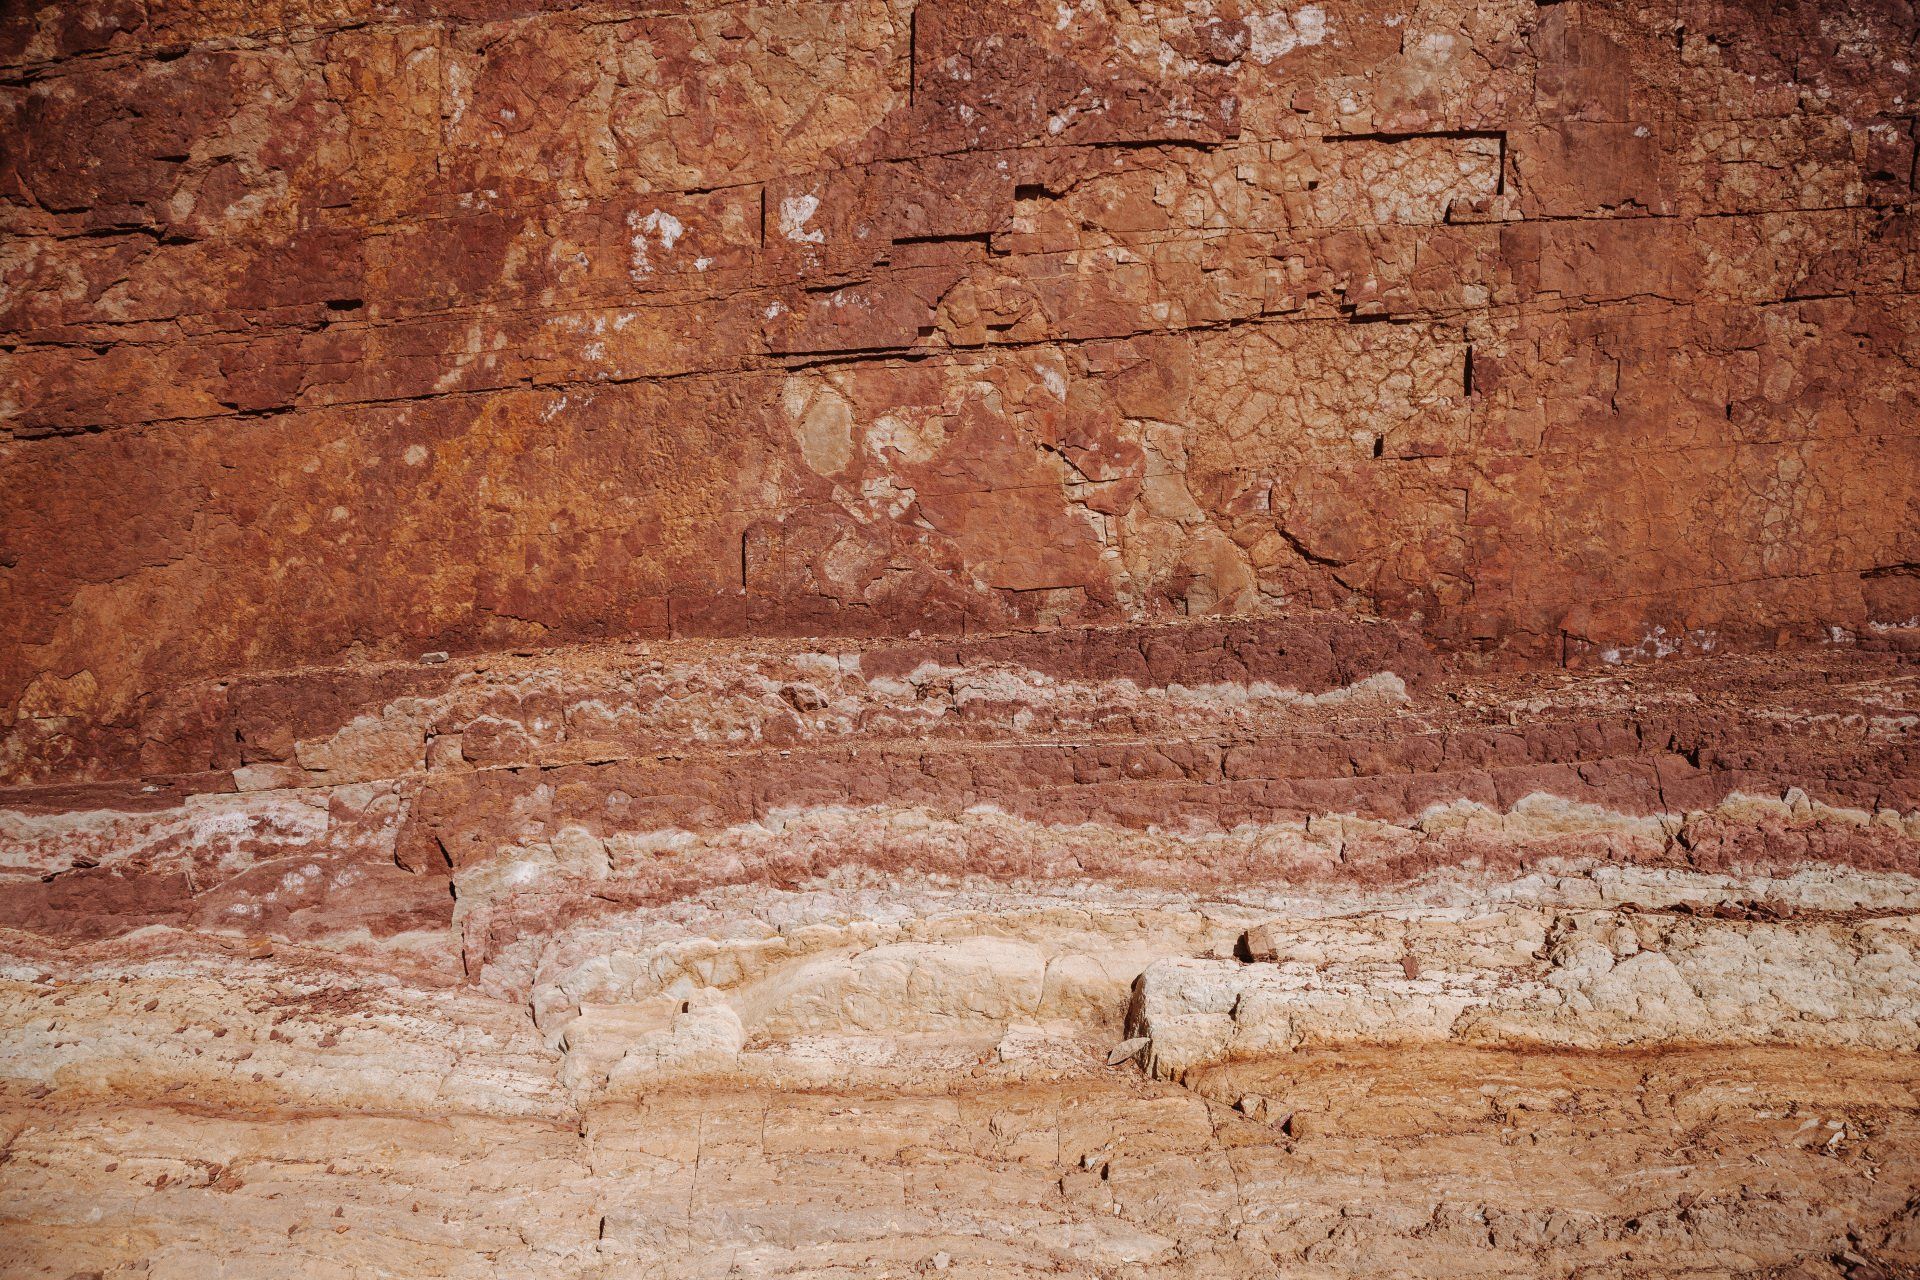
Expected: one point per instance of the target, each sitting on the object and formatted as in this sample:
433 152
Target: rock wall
1125 639
340 330
1201 950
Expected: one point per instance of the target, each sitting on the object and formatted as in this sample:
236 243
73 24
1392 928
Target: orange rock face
1110 637
1554 331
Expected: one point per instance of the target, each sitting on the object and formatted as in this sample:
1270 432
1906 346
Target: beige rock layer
1193 951
1439 1087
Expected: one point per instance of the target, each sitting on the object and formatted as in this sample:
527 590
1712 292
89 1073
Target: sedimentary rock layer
1192 950
1204 640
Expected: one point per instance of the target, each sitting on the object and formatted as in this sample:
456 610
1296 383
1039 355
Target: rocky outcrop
1202 640
708 958
1557 330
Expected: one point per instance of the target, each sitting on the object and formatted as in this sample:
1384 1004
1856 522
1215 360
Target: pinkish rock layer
1134 885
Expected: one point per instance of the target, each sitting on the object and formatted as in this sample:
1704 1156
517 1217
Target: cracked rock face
881 638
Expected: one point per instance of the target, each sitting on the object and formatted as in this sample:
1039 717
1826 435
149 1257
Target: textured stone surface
1573 329
872 638
1203 950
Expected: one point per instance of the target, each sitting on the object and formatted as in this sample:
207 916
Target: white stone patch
1275 35
658 223
1064 14
1660 643
1520 977
1055 382
459 93
912 441
1434 47
795 213
296 881
883 493
1261 694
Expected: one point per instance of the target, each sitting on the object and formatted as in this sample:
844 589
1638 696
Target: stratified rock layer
1203 950
1204 640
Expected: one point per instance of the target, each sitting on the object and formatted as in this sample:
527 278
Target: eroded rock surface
1577 330
1200 949
879 638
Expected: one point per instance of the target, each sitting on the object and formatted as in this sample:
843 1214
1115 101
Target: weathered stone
896 636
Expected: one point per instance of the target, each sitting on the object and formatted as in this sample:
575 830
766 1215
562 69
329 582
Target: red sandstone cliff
1191 639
